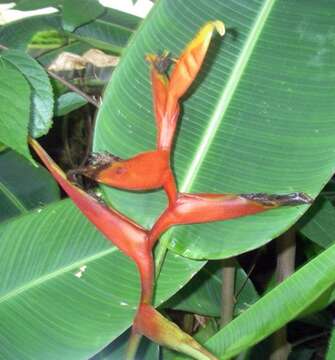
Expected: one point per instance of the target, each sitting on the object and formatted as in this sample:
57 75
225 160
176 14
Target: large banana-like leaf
65 291
18 194
276 308
260 117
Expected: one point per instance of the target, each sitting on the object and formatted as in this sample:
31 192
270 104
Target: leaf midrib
112 25
36 282
226 96
13 198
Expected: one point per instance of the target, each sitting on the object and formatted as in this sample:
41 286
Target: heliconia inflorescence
151 170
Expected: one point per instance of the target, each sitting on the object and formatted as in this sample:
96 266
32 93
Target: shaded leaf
302 354
41 90
202 295
117 17
276 308
79 12
318 224
116 350
14 108
68 102
18 194
331 347
19 33
28 5
111 31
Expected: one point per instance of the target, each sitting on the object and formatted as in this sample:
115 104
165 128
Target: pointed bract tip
273 200
298 198
220 27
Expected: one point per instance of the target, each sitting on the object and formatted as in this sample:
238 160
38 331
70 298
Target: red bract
165 123
151 170
145 171
129 237
202 208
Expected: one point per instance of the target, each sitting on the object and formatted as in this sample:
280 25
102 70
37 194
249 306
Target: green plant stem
188 323
133 344
286 247
227 292
162 249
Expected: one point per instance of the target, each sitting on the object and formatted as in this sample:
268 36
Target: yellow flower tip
219 26
150 58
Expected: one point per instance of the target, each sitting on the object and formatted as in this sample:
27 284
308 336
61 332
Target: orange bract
147 171
123 232
189 63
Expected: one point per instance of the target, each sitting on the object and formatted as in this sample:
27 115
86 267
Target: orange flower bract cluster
151 170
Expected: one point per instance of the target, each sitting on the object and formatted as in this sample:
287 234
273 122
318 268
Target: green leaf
325 299
331 347
329 190
14 108
111 31
18 194
276 308
45 41
66 310
128 21
318 224
42 96
116 350
2 147
302 354
79 12
28 5
258 118
69 102
19 33
202 295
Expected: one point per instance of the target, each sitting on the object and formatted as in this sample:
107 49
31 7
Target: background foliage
260 118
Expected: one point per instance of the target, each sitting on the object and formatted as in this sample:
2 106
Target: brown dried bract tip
296 198
102 159
160 62
96 163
